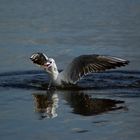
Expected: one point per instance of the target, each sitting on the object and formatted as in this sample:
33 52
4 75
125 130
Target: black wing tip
126 62
122 63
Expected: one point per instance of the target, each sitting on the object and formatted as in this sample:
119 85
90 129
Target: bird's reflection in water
86 105
46 104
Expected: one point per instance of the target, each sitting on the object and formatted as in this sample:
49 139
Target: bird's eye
50 62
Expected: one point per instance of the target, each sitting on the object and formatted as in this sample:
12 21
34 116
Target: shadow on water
105 80
46 104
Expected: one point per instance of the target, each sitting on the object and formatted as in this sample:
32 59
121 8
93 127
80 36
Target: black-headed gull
79 67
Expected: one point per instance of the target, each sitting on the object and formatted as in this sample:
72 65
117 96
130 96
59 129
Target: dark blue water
102 105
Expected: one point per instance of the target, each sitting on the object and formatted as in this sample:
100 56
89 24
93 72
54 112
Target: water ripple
35 79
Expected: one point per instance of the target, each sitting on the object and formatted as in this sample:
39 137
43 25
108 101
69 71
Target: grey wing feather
85 64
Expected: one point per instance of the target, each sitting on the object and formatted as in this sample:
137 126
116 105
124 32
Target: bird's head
49 64
43 61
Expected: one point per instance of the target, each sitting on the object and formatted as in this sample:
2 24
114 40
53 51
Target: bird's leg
49 84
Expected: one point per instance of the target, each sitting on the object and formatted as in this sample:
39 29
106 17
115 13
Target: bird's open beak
47 64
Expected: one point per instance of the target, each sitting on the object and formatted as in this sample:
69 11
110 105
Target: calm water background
64 29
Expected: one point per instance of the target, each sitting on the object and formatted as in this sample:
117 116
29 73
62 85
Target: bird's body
79 67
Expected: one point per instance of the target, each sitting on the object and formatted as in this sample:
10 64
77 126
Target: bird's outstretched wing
85 64
39 58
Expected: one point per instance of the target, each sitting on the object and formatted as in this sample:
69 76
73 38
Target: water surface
101 106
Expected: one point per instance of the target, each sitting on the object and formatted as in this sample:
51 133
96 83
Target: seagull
77 69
